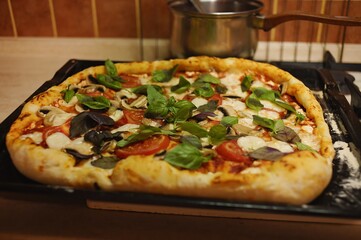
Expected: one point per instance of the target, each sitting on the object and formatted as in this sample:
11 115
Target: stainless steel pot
229 28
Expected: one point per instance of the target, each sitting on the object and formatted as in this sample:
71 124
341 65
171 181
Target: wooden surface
24 66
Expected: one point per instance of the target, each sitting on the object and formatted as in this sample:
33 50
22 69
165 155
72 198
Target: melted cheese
250 143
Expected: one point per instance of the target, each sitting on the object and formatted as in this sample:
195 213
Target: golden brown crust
297 178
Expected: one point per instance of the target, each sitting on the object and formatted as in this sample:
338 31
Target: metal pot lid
216 8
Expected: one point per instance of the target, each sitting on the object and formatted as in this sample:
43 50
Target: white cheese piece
233 85
198 101
236 104
126 128
257 84
250 143
307 129
71 103
57 140
80 146
247 122
270 105
56 119
269 114
37 137
116 115
310 140
281 146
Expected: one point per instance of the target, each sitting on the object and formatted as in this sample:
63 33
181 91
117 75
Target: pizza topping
182 86
229 150
246 83
85 121
250 143
186 156
267 153
54 116
108 162
164 75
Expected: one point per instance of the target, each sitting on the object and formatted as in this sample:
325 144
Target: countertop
25 64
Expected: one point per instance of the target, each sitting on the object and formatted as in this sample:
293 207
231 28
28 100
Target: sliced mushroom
241 129
124 93
54 116
227 110
140 102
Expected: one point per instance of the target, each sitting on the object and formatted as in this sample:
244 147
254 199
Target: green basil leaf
105 162
204 90
194 128
246 83
208 78
220 88
274 125
85 121
284 105
266 153
143 89
110 68
136 137
287 134
304 147
108 82
266 94
253 102
157 104
164 75
228 121
211 106
185 156
182 86
96 103
192 140
217 133
300 116
68 94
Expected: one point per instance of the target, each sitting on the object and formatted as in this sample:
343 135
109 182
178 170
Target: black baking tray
337 201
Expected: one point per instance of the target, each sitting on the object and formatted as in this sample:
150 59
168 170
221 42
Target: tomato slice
216 97
229 150
130 81
131 116
149 146
64 128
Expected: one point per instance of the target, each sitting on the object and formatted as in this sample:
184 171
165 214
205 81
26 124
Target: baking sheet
340 200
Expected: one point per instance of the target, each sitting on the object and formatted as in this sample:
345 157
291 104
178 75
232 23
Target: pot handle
267 23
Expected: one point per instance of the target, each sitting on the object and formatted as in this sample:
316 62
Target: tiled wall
152 19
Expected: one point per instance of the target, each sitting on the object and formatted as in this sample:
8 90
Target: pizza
224 128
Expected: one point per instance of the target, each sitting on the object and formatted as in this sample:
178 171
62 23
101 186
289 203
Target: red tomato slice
130 81
149 146
230 150
65 128
216 97
132 116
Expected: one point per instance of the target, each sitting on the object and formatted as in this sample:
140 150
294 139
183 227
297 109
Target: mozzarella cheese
250 143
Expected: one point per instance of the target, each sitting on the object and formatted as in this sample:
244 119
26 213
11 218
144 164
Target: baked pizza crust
297 178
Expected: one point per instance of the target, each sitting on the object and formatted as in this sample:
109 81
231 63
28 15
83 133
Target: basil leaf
68 94
136 137
105 162
284 105
253 102
157 104
110 68
191 140
179 111
228 121
107 81
266 94
287 134
143 89
85 121
194 128
246 83
220 88
208 78
266 153
211 106
300 116
302 146
217 133
96 103
274 125
164 75
204 90
185 156
182 86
